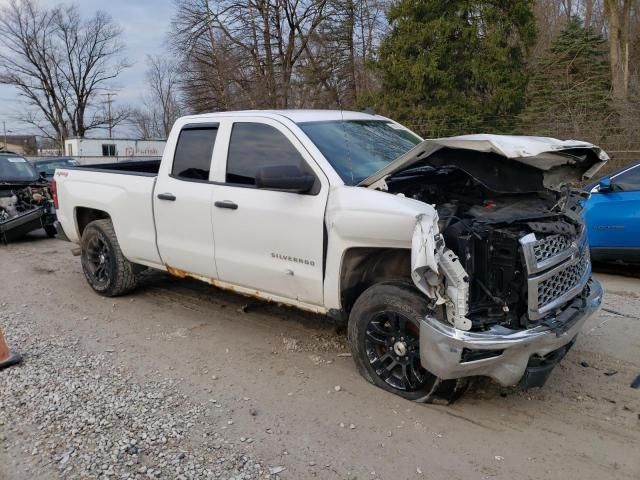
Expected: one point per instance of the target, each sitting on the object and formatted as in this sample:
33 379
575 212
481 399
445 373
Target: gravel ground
83 416
145 385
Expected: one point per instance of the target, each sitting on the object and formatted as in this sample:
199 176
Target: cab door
269 240
182 203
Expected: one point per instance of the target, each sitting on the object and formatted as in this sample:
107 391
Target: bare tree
245 52
60 63
279 54
340 57
161 104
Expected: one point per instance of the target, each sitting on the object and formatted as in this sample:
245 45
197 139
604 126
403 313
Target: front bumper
501 353
21 224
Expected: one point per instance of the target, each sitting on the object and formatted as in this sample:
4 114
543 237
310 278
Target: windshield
357 149
49 166
16 169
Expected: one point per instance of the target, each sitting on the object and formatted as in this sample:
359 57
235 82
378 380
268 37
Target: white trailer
113 147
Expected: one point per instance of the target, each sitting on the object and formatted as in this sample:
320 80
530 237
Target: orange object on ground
7 358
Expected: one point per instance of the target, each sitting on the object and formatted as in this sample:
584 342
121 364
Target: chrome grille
558 269
562 282
550 246
541 253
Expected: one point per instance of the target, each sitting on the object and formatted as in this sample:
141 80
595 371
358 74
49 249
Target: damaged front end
25 199
23 210
437 272
506 263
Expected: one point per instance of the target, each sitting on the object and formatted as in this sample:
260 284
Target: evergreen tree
451 67
569 92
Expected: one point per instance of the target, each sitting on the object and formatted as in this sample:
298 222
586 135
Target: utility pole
110 118
4 127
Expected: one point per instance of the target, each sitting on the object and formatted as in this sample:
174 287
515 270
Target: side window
192 159
628 181
108 150
256 145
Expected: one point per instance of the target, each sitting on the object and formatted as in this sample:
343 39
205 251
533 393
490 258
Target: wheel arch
362 267
85 215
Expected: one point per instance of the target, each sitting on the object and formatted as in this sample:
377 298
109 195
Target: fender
361 217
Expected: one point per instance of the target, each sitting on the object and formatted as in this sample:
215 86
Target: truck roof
298 116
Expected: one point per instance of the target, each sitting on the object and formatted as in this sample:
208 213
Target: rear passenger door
268 240
182 203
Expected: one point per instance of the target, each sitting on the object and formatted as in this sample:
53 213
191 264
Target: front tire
105 267
384 331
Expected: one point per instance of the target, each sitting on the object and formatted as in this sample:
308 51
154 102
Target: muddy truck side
449 258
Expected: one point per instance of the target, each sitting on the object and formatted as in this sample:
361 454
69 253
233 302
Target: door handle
167 196
227 204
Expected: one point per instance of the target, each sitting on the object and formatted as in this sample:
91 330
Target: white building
113 147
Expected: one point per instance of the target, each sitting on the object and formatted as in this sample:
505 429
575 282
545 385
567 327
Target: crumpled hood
560 161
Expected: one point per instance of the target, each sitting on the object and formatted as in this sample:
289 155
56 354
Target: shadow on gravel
29 238
622 269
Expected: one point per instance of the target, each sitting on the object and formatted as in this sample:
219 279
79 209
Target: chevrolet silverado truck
449 258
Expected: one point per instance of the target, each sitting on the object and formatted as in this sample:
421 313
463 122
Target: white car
449 258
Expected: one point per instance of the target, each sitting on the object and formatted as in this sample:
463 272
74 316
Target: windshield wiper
412 171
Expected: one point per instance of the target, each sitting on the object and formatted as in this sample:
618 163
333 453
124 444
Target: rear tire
50 230
384 330
105 267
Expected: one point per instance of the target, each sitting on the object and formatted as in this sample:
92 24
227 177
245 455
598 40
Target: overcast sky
144 24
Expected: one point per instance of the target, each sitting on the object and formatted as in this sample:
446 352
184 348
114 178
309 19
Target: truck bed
148 168
123 192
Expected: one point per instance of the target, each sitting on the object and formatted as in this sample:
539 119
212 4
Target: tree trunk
618 14
351 69
268 53
588 13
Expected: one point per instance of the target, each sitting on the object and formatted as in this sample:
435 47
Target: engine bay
484 228
15 201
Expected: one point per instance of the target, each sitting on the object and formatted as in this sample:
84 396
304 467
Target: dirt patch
43 270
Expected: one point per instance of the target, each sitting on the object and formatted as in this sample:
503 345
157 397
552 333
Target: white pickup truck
450 258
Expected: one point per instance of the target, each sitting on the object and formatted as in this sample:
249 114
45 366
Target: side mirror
289 178
604 186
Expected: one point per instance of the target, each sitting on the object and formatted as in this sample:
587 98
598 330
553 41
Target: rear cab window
194 150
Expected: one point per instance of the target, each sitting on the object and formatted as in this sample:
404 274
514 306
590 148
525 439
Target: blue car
612 213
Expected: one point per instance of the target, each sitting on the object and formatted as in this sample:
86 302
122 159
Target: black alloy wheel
393 349
105 267
98 261
384 334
